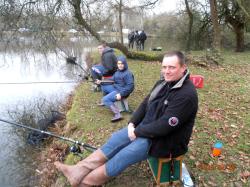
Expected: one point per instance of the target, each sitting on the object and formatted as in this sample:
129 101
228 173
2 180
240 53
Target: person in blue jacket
122 87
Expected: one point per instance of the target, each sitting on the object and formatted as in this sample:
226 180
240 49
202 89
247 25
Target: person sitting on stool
123 86
108 66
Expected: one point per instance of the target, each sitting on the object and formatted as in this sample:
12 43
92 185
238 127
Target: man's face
100 49
171 69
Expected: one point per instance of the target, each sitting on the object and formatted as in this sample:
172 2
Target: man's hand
97 81
131 130
118 97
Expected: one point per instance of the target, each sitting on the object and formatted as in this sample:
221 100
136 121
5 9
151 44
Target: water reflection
26 103
18 156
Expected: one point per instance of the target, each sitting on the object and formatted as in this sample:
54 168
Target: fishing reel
75 149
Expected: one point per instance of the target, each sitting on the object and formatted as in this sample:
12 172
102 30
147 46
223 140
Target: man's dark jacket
109 61
167 117
142 36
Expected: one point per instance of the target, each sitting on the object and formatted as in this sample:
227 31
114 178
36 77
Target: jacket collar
163 83
181 81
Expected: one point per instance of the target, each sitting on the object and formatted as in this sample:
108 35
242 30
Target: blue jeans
121 152
110 96
97 71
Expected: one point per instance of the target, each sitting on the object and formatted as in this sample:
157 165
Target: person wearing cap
122 87
160 127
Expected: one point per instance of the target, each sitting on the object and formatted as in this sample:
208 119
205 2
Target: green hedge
146 56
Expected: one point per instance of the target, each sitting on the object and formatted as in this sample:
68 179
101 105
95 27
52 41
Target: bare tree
81 11
82 22
216 26
236 18
118 6
190 25
245 7
120 21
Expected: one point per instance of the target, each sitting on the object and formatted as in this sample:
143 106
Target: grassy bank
224 105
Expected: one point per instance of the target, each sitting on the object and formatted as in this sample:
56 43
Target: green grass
224 106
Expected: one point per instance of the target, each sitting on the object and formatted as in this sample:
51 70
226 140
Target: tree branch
243 9
81 21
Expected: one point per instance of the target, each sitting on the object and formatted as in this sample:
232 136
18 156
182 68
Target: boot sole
100 105
115 120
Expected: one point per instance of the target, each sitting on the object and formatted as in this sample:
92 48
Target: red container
197 80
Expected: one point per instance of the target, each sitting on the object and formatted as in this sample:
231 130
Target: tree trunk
78 15
121 47
120 21
216 26
237 20
238 28
190 25
239 32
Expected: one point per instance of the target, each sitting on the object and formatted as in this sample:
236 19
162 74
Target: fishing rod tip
71 60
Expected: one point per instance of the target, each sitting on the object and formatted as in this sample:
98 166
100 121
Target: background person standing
142 38
137 40
131 39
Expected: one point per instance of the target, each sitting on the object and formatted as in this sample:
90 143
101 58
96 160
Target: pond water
31 82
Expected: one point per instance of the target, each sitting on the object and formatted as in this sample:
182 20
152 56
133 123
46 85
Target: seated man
108 66
122 87
160 127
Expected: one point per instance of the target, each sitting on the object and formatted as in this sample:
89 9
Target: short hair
103 43
178 54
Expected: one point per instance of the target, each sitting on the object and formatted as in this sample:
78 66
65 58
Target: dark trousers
131 44
142 45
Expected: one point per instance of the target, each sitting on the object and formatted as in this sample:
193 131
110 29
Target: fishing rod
43 82
75 149
59 82
72 60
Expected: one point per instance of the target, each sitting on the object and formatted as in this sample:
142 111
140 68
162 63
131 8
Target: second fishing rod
74 148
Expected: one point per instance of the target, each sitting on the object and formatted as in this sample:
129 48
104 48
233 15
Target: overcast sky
161 6
166 6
